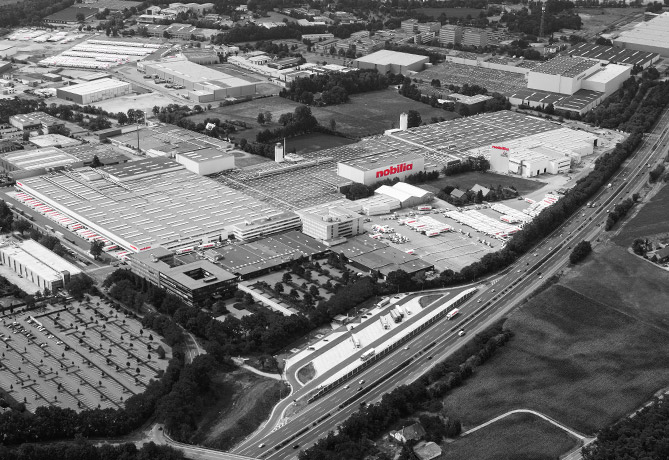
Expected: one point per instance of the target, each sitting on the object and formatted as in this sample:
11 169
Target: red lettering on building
395 169
19 184
500 147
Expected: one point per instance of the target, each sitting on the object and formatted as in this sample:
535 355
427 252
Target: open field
467 180
583 353
518 436
595 20
652 219
363 115
87 355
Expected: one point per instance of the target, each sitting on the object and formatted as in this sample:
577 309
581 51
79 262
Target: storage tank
404 121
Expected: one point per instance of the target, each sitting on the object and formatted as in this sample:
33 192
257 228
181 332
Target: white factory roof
195 73
385 57
651 33
402 193
167 209
609 72
102 84
411 189
51 140
209 154
49 157
38 259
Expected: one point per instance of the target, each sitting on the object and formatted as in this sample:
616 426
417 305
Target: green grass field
467 180
653 218
363 115
586 351
518 436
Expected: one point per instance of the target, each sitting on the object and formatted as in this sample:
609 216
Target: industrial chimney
279 152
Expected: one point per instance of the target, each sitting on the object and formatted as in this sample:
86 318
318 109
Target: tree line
354 440
333 88
357 191
89 451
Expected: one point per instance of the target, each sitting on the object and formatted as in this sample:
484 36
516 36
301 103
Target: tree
96 248
80 17
413 119
261 118
161 352
268 116
122 118
96 163
580 252
287 278
333 124
278 287
21 225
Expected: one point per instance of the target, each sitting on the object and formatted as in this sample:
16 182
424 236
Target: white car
461 332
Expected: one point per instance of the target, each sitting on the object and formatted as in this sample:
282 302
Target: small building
202 57
663 255
206 161
479 188
458 194
406 194
38 264
427 450
414 432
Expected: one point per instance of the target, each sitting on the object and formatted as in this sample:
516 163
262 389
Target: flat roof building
613 54
253 229
371 169
27 163
197 284
35 120
53 140
330 224
94 91
38 264
392 61
143 204
206 161
651 36
105 153
562 74
205 84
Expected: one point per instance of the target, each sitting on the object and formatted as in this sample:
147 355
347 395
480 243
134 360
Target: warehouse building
607 79
204 84
392 61
94 91
53 140
562 74
28 163
38 264
35 120
202 57
614 55
250 230
406 194
330 224
526 162
651 36
197 284
374 168
87 152
206 161
147 203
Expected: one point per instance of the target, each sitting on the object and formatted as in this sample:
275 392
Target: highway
498 298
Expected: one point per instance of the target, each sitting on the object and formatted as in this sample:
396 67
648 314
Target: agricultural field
518 436
465 181
364 115
652 219
582 341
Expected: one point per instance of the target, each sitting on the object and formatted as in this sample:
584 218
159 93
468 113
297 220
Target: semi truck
393 314
368 354
452 313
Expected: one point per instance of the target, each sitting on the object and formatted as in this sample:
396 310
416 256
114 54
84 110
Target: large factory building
392 61
204 84
375 168
650 36
94 91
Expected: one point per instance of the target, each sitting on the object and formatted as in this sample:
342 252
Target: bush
580 252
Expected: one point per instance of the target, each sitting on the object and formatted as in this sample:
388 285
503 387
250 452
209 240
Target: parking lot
81 356
451 73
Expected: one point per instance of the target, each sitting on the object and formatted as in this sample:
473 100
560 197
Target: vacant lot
584 353
518 436
597 19
363 115
468 180
653 218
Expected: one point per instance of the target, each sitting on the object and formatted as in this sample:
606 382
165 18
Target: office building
450 34
330 224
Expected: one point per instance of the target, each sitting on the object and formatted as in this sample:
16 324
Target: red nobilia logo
500 148
395 169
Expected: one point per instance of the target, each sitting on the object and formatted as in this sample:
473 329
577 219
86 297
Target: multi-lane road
493 301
